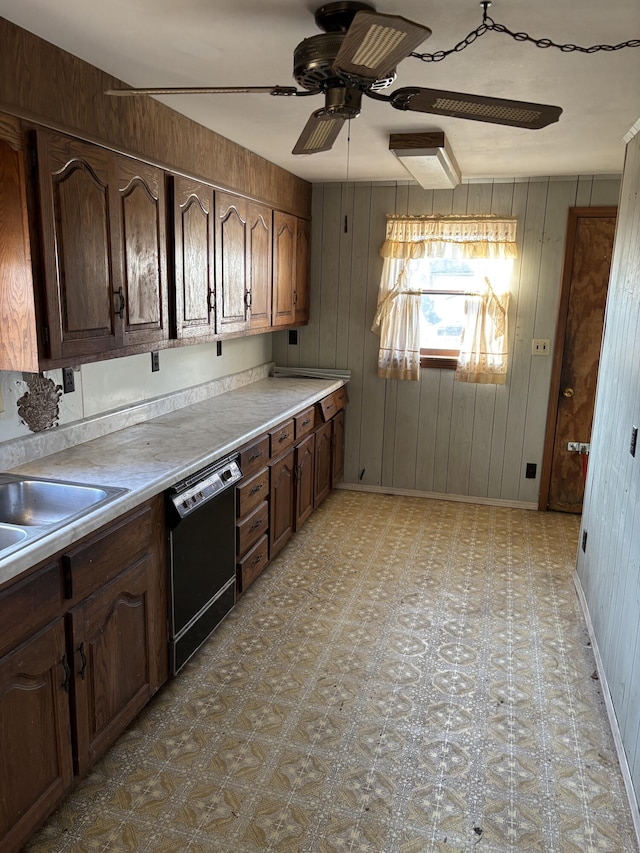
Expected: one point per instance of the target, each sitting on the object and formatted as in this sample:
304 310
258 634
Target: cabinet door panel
323 462
111 650
232 282
78 221
284 268
260 265
194 258
142 214
281 506
305 460
303 260
35 739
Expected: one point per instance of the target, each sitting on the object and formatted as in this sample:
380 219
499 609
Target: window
446 285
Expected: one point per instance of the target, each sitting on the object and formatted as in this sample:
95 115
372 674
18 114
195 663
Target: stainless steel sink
31 507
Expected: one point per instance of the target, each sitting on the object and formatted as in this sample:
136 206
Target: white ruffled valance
411 237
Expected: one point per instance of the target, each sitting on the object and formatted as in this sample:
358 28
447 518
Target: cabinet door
194 268
303 270
337 449
36 765
80 246
259 263
232 274
284 268
281 505
142 214
110 633
18 343
323 462
304 470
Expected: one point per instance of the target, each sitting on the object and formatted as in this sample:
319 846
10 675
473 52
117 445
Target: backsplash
111 395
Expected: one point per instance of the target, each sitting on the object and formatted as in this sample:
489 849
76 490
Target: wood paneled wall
609 567
438 435
48 85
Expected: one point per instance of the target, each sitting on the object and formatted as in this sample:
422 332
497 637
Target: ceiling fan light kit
428 158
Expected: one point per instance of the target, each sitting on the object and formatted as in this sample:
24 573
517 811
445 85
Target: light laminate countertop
149 457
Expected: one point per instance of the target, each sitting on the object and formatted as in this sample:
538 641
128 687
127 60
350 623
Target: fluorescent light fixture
428 159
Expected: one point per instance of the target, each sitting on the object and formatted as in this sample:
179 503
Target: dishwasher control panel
204 485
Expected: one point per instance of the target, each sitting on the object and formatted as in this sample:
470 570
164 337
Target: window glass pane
441 321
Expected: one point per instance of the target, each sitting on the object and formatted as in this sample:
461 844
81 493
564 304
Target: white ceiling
251 42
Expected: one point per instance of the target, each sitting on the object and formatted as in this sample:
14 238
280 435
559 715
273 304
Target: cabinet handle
256 524
306 423
121 302
256 489
283 437
67 673
83 658
211 300
257 560
256 456
247 299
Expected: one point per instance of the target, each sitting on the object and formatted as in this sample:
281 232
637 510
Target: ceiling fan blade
476 107
319 133
207 90
375 44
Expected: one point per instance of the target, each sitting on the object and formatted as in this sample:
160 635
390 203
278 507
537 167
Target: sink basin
31 507
39 502
10 535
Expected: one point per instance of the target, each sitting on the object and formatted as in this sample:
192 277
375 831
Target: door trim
575 213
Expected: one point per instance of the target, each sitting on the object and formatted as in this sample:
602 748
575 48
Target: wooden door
80 246
232 274
36 766
18 342
284 268
281 505
323 458
304 480
588 250
259 264
111 661
303 271
194 258
142 215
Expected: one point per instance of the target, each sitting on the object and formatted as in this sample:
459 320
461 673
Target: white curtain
397 318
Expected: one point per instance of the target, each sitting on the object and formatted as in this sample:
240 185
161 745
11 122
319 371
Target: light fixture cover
428 159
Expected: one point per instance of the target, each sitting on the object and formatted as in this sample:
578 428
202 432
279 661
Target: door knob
568 392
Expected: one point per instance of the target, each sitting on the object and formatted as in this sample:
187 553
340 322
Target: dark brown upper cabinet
243 264
194 258
291 255
102 225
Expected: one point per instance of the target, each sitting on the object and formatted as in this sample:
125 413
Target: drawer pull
256 489
67 673
257 560
283 437
83 658
256 524
306 423
256 456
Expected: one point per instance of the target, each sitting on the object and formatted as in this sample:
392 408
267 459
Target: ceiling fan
356 55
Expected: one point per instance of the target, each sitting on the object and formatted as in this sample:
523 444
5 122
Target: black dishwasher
201 525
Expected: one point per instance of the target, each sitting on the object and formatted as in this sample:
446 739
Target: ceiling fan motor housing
313 67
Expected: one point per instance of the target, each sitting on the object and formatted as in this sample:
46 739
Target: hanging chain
489 25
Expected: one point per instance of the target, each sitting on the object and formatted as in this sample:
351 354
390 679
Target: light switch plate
540 346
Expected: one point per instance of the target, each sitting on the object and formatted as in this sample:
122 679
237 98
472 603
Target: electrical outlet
155 361
68 382
218 347
540 346
530 471
293 337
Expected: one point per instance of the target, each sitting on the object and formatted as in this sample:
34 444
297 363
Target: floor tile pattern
409 675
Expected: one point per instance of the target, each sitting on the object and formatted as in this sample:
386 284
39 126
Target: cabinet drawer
254 456
252 492
304 422
341 398
251 528
281 439
29 604
328 407
253 563
101 558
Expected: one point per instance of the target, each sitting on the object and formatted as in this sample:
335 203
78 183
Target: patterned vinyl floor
409 675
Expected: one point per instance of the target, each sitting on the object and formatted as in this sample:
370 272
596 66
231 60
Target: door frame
575 213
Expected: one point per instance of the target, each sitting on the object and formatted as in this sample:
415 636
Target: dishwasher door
202 572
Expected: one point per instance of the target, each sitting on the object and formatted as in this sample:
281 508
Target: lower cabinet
83 648
295 466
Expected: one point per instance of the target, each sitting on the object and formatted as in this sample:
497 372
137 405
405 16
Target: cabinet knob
568 392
